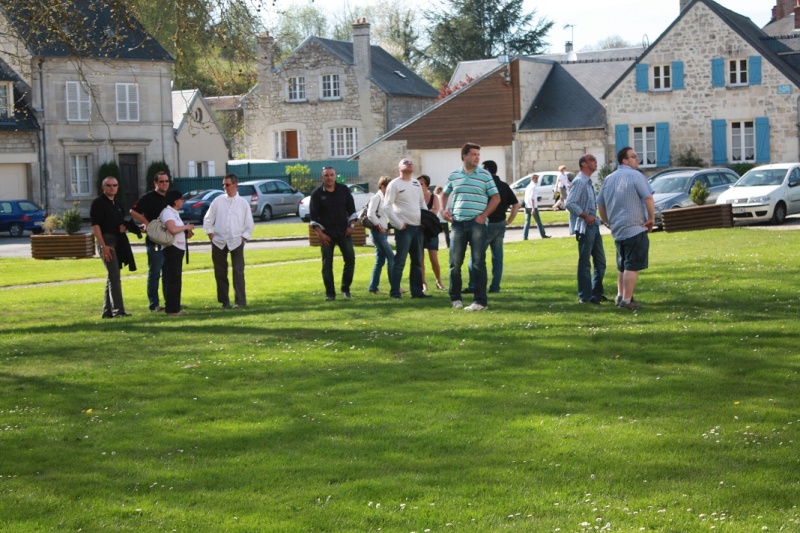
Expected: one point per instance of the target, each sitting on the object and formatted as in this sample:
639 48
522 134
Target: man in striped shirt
475 195
626 203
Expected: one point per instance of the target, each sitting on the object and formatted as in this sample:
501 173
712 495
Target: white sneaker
457 304
475 306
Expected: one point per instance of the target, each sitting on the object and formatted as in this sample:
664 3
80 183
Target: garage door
13 181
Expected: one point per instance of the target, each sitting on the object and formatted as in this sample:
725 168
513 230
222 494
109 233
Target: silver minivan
270 198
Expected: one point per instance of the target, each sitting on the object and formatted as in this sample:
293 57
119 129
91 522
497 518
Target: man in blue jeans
496 229
474 196
584 224
333 216
149 208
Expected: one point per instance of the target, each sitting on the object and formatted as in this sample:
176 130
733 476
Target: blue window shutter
642 74
621 136
762 139
754 68
719 142
677 75
662 144
718 72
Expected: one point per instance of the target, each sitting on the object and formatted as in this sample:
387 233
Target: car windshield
355 189
670 184
756 177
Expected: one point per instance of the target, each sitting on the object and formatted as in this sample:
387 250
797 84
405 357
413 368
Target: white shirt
531 200
169 213
563 180
230 220
404 201
375 211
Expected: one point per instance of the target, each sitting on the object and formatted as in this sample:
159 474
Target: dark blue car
194 208
16 216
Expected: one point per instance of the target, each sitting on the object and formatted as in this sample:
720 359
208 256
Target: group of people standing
228 224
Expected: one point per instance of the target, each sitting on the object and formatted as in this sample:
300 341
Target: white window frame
127 102
80 177
279 145
743 138
342 141
7 101
79 102
644 142
662 77
738 72
330 87
296 89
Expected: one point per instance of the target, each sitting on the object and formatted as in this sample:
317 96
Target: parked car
360 197
547 181
16 216
670 171
672 189
765 193
195 207
269 198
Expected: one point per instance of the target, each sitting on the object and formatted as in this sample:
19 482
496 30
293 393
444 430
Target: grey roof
23 118
563 103
774 50
102 29
384 69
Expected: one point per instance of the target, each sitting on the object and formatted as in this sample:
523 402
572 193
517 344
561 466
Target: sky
594 20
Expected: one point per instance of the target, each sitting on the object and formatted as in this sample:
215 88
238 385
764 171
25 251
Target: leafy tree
295 25
609 43
481 29
446 89
154 168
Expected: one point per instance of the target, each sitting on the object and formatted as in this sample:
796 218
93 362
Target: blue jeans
408 242
537 218
383 255
461 234
155 263
495 233
345 245
590 246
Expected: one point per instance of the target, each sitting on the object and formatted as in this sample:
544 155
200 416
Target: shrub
741 168
71 220
699 193
689 158
154 168
110 170
51 223
301 178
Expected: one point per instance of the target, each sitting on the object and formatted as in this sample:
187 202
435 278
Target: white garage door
13 180
438 164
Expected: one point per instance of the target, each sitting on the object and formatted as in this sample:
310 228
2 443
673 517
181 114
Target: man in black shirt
496 229
149 208
108 223
333 215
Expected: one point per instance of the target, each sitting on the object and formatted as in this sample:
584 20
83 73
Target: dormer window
6 100
297 89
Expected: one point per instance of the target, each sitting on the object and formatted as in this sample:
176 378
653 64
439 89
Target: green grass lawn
296 414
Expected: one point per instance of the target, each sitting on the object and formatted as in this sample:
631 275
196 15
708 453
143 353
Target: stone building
18 137
328 98
714 83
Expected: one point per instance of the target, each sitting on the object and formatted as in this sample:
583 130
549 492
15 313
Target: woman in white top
173 255
432 244
383 250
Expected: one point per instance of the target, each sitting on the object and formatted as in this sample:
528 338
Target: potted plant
700 217
71 243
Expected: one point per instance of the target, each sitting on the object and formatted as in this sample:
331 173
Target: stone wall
404 108
697 38
17 142
547 150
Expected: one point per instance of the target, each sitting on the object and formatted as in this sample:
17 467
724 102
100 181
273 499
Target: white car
765 193
547 181
360 197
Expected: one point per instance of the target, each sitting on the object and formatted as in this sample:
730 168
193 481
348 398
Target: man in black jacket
149 208
108 226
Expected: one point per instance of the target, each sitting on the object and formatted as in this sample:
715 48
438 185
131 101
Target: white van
547 181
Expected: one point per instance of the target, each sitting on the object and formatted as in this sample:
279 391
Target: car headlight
660 207
759 200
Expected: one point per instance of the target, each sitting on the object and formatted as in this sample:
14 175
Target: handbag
158 233
363 219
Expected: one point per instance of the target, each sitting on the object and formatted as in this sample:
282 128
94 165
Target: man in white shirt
531 204
229 224
403 202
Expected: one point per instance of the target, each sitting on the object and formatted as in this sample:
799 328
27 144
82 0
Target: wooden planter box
359 236
699 217
78 246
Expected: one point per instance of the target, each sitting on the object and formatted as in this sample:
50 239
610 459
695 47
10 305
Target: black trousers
173 273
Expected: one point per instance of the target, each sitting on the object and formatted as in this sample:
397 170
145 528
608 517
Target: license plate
38 223
738 210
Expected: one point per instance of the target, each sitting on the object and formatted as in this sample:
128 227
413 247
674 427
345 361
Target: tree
609 43
482 29
295 25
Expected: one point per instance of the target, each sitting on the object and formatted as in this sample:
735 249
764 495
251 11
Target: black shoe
157 309
423 295
226 306
397 297
182 306
122 315
546 237
603 299
108 316
330 298
346 295
494 290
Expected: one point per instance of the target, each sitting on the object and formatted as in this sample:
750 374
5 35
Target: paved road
21 247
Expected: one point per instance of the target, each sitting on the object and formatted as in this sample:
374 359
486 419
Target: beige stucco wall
200 141
697 38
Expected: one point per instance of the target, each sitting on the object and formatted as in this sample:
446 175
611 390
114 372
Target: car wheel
15 230
37 231
779 215
266 213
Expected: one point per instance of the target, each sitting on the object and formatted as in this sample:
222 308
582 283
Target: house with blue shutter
713 82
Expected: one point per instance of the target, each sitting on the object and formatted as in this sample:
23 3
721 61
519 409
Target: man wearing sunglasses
148 208
108 224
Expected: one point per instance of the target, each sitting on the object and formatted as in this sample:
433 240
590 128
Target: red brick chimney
785 8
